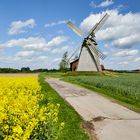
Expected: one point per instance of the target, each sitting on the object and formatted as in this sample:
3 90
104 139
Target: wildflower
62 125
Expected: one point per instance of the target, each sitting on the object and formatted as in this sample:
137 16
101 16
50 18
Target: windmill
89 52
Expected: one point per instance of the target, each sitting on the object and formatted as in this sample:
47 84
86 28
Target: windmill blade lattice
96 60
97 50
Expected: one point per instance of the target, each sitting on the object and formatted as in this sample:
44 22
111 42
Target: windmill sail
74 52
75 29
99 24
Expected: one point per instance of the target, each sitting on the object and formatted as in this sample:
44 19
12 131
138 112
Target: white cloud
126 52
33 62
60 49
35 52
106 46
34 43
122 59
133 62
25 53
137 60
17 27
103 4
105 52
43 57
57 41
127 42
123 63
122 30
55 23
56 60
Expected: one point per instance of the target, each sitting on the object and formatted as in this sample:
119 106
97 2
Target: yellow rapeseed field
21 115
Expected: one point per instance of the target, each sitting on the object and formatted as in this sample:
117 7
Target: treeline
123 71
23 70
9 70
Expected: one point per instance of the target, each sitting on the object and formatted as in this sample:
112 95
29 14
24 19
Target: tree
64 62
25 69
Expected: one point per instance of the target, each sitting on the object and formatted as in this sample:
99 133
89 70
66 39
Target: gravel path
111 121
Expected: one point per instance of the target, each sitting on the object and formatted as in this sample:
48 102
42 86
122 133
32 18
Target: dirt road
111 120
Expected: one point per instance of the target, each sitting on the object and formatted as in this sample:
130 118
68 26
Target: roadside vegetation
73 123
124 87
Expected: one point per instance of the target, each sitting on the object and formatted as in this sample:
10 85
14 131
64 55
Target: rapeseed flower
21 116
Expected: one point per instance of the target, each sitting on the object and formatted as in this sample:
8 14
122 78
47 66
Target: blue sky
34 33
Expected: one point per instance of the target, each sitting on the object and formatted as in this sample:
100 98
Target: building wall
73 65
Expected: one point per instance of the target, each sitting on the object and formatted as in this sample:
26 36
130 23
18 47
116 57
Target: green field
124 87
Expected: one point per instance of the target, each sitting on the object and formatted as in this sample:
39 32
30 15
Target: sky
33 33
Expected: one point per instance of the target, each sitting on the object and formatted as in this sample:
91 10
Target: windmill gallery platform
110 120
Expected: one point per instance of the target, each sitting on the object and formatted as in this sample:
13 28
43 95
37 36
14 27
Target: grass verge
72 129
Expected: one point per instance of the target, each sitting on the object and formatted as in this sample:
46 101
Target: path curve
111 120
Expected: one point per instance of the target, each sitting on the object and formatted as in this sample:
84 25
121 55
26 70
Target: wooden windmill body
88 60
